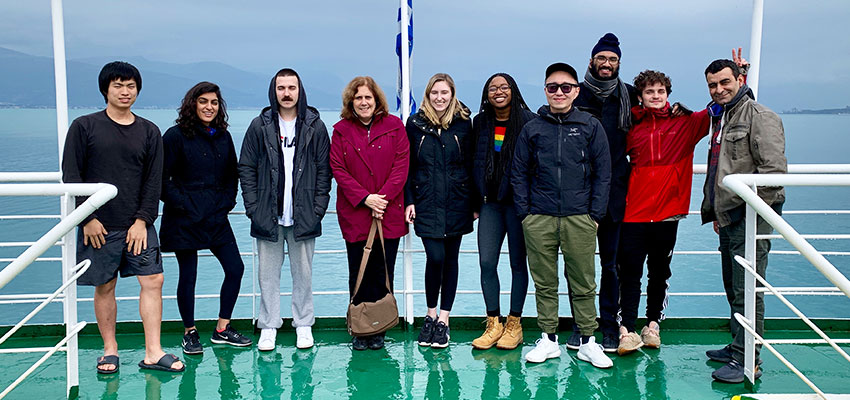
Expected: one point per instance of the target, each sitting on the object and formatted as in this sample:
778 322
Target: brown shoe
629 342
491 334
651 338
513 334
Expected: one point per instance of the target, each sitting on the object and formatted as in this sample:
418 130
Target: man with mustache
605 96
285 174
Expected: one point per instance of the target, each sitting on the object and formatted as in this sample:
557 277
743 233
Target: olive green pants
576 236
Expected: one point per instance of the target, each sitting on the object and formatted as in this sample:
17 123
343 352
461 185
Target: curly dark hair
187 114
650 77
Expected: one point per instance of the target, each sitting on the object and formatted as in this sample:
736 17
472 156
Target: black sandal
164 364
107 360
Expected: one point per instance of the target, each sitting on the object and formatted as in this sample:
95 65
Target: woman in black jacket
496 127
199 183
439 197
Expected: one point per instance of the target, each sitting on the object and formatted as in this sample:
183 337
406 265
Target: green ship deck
332 370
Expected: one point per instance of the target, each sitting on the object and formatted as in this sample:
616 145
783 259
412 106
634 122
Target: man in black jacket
560 176
604 95
285 174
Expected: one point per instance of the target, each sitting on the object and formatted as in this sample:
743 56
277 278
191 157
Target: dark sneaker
733 372
610 343
376 342
230 336
192 343
574 341
360 343
426 334
441 336
723 355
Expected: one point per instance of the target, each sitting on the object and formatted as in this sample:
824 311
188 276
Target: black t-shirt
98 149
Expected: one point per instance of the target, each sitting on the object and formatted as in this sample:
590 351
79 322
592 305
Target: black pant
373 287
441 257
608 236
231 262
652 242
495 221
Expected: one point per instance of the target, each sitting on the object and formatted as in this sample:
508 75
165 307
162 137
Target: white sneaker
304 336
592 353
544 350
267 338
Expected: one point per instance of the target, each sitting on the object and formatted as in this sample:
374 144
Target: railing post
750 291
69 306
408 278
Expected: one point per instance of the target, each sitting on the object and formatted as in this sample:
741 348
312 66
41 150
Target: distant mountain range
843 111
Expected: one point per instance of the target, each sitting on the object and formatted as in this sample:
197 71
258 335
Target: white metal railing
746 186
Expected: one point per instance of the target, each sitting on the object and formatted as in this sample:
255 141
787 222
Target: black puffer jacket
439 183
482 129
561 166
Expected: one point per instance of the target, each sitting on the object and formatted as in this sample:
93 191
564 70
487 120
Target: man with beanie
746 138
605 96
285 174
560 177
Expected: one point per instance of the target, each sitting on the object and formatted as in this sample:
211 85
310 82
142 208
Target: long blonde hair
454 104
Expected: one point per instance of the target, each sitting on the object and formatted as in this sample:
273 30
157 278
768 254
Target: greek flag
398 50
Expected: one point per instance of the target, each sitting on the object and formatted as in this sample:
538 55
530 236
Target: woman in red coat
369 159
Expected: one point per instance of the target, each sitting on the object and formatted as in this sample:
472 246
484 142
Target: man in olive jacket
747 138
285 174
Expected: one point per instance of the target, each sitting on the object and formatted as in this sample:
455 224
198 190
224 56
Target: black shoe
376 342
610 343
441 336
230 336
192 343
360 343
733 372
723 355
426 334
574 341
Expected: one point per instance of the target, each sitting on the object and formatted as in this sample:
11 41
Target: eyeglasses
602 59
565 87
503 88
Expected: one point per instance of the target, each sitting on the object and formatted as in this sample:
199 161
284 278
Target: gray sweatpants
301 268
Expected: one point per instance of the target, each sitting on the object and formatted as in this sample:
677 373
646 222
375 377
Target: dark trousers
231 262
441 257
494 222
373 287
732 243
652 242
608 236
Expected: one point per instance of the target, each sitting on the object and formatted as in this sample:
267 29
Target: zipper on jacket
419 150
558 163
458 147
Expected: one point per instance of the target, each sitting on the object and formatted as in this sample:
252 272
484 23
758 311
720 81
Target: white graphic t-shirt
287 147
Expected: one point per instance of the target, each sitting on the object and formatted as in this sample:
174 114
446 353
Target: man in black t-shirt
115 146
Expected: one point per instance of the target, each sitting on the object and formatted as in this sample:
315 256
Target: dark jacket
439 183
561 166
482 128
261 171
607 113
199 184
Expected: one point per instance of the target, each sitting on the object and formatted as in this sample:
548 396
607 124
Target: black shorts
113 257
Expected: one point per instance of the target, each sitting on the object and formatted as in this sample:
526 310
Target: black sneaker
441 336
376 342
360 343
574 341
733 372
610 343
230 336
723 355
192 343
426 334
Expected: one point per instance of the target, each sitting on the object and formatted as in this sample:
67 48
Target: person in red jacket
369 159
660 146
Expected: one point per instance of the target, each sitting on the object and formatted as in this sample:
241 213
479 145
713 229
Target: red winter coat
661 152
366 162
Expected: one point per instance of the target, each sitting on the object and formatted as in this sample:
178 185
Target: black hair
187 114
720 64
118 70
286 72
515 123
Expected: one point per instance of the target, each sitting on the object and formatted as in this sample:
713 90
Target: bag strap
367 250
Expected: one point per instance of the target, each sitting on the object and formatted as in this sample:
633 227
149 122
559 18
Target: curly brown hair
187 114
650 77
351 90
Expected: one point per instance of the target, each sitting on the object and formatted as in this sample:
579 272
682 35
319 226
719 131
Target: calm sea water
29 143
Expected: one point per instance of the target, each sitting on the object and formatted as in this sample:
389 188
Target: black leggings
373 287
441 271
231 263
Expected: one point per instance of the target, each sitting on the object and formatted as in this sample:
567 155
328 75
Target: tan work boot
651 338
513 334
491 334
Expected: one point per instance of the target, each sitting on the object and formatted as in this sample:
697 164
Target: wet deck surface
332 370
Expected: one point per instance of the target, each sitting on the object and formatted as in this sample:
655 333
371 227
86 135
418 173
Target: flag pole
755 46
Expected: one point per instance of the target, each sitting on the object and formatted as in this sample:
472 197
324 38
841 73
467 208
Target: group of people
602 161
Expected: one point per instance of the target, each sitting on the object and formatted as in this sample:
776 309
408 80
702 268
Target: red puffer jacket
661 152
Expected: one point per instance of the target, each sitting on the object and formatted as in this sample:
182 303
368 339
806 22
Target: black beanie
609 42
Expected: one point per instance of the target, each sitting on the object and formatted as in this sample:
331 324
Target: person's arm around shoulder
248 161
521 171
323 170
600 176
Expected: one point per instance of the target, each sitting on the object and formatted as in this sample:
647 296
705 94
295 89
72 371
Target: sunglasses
565 87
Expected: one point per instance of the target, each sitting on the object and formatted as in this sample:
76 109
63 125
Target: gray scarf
604 88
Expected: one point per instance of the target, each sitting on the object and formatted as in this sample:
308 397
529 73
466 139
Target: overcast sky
805 55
